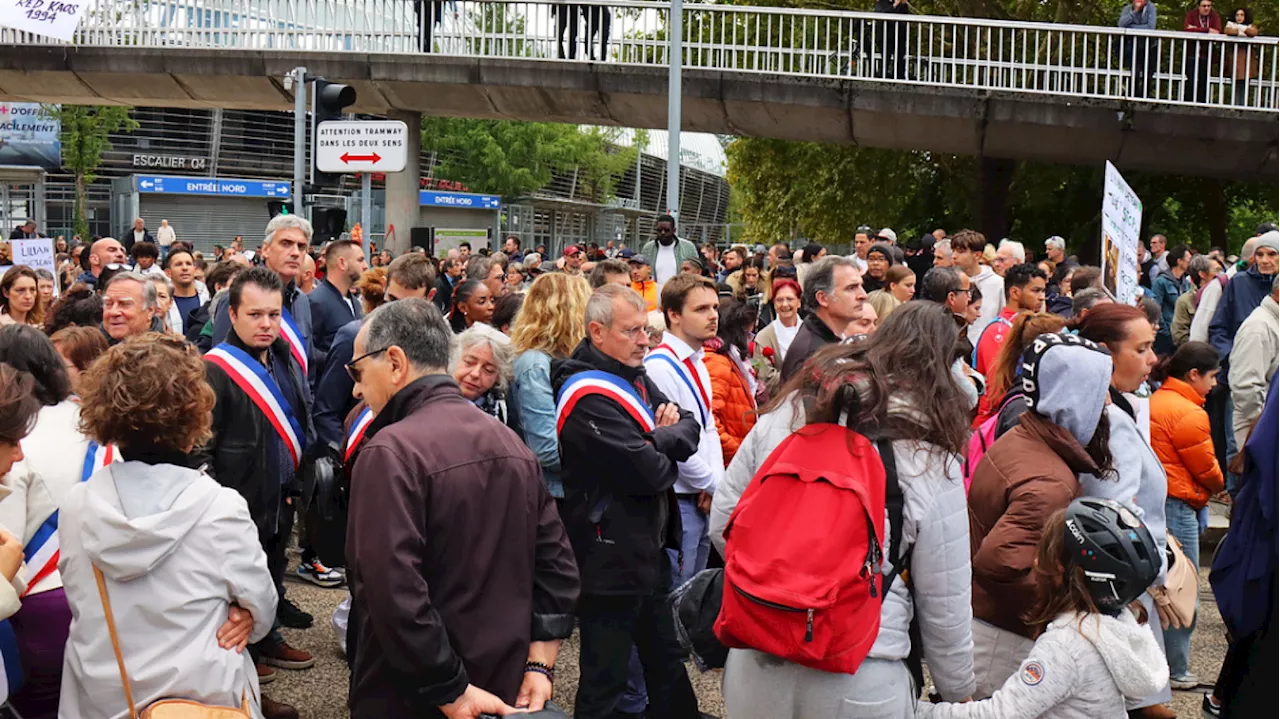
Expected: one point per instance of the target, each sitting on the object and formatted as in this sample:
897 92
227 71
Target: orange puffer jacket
731 402
1180 437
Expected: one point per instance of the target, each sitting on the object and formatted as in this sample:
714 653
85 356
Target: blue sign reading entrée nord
216 186
431 198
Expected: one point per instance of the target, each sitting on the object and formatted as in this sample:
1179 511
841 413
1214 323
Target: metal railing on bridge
1067 61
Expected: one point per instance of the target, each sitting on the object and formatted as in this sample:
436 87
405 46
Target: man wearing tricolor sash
620 442
261 426
689 306
287 238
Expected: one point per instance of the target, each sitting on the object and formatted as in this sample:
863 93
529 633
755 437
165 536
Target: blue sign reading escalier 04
215 186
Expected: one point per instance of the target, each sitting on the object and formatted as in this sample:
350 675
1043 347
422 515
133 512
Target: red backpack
803 550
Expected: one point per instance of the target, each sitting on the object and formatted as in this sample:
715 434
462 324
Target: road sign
361 146
431 198
221 186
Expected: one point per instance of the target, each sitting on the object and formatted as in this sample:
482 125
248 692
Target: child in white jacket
1094 559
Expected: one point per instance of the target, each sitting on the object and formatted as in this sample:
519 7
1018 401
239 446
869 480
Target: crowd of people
490 450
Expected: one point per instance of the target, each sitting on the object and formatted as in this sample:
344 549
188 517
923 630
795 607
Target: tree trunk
1215 209
81 218
995 175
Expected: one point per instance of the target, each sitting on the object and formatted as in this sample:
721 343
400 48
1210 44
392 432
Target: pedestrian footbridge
1146 100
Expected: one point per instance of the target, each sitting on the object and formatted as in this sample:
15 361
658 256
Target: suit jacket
329 312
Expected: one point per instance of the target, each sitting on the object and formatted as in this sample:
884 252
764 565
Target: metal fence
1179 68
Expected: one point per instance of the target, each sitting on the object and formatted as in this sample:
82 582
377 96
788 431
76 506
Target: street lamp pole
675 53
299 140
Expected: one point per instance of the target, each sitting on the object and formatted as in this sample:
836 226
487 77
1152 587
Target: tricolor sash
610 385
688 373
251 377
42 552
289 331
357 432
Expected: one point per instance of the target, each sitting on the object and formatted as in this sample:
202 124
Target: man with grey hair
283 248
128 307
1202 270
1055 250
620 442
454 631
1253 362
833 296
1087 299
1008 254
942 253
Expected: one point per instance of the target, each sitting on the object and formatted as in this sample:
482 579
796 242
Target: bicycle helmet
1115 550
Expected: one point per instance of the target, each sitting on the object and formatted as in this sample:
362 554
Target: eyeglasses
636 333
967 292
353 371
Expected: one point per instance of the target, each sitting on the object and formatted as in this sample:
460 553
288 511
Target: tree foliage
789 189
513 159
86 135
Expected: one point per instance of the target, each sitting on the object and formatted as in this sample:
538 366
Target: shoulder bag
165 708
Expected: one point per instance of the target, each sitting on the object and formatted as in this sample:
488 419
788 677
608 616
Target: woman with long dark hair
733 383
1181 439
1128 333
905 392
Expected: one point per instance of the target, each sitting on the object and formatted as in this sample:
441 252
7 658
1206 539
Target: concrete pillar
402 187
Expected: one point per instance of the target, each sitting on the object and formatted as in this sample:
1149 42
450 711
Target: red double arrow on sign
348 158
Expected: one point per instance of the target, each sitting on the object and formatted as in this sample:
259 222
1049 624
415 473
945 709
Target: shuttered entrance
207 221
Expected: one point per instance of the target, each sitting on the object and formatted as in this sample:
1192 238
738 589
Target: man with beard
666 252
332 305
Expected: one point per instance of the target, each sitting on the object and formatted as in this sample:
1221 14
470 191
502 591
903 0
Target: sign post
348 146
1121 227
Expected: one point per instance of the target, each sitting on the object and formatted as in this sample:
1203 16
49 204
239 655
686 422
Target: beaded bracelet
542 669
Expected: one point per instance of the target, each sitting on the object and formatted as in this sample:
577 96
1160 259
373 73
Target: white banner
43 17
1121 225
38 255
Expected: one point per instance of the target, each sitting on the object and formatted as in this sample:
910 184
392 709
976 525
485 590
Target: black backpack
324 504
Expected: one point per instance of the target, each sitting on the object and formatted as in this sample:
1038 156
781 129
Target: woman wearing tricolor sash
18 410
55 456
176 553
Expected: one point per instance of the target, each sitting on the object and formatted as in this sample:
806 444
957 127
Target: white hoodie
176 549
1082 667
992 287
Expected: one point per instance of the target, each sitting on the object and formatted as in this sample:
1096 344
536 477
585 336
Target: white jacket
173 320
176 549
1204 311
53 464
11 590
1253 363
165 235
1082 667
992 287
936 521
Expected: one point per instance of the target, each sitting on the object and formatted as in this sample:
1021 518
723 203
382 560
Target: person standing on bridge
893 39
1139 15
427 22
1201 19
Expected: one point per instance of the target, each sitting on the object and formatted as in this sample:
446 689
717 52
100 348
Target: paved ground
321 692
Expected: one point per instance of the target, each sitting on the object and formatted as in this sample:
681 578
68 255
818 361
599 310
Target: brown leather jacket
1026 476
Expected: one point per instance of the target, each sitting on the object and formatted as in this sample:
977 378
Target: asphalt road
321 692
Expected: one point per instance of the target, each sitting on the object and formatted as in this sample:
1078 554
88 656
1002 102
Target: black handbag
695 607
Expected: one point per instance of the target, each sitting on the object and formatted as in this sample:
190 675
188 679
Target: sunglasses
353 371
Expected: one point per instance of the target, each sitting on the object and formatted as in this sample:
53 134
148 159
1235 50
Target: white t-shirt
664 267
785 335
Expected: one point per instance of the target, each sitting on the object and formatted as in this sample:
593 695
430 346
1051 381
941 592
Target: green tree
513 159
789 189
86 135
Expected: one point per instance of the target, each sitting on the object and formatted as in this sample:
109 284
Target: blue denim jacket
535 405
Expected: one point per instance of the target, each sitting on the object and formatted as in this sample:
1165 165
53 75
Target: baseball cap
1056 242
627 254
1265 227
888 234
638 259
572 250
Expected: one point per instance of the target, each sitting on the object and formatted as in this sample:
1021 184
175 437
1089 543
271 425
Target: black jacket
329 312
444 294
239 454
813 335
619 506
128 240
333 387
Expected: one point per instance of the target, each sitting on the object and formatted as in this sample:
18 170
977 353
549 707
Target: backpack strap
893 503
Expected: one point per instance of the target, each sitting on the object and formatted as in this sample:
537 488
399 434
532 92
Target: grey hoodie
177 549
1082 667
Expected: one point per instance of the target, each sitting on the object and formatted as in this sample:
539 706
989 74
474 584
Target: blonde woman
551 323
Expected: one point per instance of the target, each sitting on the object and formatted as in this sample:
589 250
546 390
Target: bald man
106 251
307 278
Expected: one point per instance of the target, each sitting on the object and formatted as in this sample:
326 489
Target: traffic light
327 224
328 100
279 207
